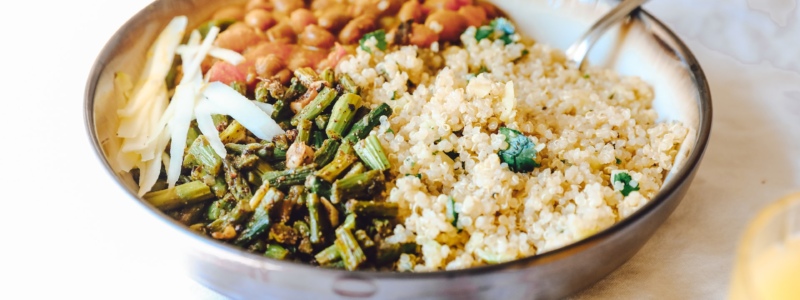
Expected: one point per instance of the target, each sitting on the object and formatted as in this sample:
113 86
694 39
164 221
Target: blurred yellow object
768 260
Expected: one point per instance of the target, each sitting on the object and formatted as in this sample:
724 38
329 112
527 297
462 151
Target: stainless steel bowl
238 274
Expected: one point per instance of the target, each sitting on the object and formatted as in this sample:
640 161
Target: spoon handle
578 51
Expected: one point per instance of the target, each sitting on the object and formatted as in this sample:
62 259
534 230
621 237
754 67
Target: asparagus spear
328 256
327 76
388 253
351 252
304 131
276 251
201 153
325 154
343 111
287 178
336 167
239 87
307 76
260 221
357 168
289 203
234 133
314 222
295 90
284 234
331 212
362 128
322 120
348 84
189 214
312 110
317 185
349 222
357 185
372 208
236 183
281 110
371 152
363 239
269 90
180 195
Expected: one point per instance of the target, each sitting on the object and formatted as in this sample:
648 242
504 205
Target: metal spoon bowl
578 51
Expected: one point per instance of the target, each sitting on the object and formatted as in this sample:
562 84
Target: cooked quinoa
450 102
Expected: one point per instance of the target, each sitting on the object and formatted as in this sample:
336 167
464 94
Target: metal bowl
643 47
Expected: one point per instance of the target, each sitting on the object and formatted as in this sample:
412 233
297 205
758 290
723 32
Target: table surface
70 234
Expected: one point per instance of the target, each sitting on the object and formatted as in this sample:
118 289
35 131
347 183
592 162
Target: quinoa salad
392 136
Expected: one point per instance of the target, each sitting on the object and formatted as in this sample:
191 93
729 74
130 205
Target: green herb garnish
623 182
499 28
380 37
520 153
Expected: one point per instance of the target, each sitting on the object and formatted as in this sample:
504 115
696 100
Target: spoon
578 51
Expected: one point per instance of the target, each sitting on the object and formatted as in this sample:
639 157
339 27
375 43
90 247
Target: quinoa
442 142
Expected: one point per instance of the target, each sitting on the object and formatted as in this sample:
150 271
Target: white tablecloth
66 232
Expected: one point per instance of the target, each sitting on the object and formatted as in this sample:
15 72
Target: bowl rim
666 37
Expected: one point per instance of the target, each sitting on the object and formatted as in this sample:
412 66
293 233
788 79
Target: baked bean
287 6
282 32
452 24
411 10
474 15
229 13
284 76
491 10
259 19
238 37
378 8
258 4
319 5
269 65
300 18
422 36
356 28
316 36
334 18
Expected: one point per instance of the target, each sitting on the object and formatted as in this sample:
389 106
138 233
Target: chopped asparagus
336 167
290 177
348 84
312 110
234 133
343 111
327 76
328 256
304 131
260 221
201 153
372 208
314 222
371 152
362 128
276 251
357 185
180 195
325 154
351 252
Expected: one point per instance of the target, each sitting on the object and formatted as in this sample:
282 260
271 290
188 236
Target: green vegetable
201 153
312 110
260 221
343 111
351 252
371 152
499 28
303 131
623 182
179 196
372 208
325 154
451 215
357 185
380 37
286 178
221 23
328 256
388 253
520 153
318 186
315 223
336 167
349 85
276 251
362 128
618 161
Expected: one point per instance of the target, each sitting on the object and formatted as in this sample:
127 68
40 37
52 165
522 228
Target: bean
334 18
378 8
356 28
452 24
319 5
284 76
238 37
259 19
491 10
422 36
317 36
411 10
258 4
300 18
282 32
287 6
229 12
269 65
474 15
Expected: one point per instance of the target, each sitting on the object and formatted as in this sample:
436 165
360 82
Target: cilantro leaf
622 181
520 153
500 28
380 37
452 215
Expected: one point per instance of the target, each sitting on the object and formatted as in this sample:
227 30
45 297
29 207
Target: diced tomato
226 73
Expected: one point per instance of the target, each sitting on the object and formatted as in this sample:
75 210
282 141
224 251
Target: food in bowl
385 150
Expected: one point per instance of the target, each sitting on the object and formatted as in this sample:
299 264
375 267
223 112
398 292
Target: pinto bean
411 10
282 32
238 37
287 6
317 36
229 12
300 18
356 28
474 15
269 65
259 19
258 4
334 18
452 24
422 36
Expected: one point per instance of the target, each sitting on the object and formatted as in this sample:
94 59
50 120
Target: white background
68 230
